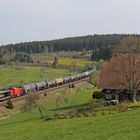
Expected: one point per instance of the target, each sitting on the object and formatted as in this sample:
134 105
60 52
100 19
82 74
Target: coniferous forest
102 46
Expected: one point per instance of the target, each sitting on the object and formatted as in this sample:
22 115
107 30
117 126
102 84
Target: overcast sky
28 20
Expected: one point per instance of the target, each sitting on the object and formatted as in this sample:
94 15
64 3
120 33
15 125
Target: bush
97 95
134 105
123 107
94 104
72 86
10 104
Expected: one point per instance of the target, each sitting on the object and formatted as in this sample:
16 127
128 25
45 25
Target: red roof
113 75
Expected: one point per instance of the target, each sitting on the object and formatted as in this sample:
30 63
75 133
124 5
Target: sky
34 20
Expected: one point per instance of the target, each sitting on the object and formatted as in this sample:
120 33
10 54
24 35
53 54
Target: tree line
7 58
102 46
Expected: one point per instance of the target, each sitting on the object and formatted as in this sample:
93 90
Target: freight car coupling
47 85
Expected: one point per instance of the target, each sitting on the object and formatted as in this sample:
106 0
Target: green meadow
64 58
29 126
22 75
69 61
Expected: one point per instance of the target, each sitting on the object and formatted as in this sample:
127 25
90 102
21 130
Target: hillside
94 47
79 44
124 126
68 44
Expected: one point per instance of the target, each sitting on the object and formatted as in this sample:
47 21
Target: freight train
45 84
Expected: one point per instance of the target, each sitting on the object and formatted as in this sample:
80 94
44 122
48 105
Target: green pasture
69 61
13 76
64 58
29 126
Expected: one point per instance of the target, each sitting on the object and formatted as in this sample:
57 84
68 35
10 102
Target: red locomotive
14 92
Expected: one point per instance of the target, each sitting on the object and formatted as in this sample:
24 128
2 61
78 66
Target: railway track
43 91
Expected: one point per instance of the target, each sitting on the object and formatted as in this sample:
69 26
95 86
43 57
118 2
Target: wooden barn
120 78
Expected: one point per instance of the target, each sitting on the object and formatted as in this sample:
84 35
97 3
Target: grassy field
118 126
67 60
13 76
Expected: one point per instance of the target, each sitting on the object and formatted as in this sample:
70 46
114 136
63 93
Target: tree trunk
57 105
39 108
134 96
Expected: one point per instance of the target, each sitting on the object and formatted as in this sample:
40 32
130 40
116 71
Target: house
119 76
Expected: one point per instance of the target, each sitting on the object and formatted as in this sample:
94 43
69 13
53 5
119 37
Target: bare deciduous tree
73 66
31 101
61 97
128 70
42 72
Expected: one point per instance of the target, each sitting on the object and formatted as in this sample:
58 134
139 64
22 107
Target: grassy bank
124 126
23 126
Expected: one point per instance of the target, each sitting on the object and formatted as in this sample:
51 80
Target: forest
102 46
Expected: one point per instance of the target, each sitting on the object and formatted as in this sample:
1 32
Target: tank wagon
41 85
51 83
59 81
78 76
67 79
73 78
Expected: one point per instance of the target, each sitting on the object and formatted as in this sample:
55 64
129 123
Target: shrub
134 105
83 108
69 86
10 104
94 114
123 107
103 113
87 114
96 103
72 86
97 95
